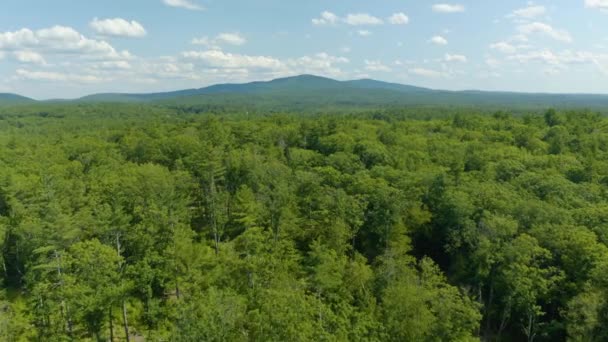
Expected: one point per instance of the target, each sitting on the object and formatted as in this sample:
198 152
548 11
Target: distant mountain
315 93
12 99
280 85
310 92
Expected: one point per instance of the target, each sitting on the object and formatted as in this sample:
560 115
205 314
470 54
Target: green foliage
404 224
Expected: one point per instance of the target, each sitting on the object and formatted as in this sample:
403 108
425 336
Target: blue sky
70 48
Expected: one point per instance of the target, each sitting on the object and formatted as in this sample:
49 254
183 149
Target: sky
70 48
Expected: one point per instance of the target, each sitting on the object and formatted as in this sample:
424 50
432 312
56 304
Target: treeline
124 222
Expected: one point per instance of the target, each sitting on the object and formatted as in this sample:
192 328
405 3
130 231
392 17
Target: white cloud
327 18
113 65
448 8
356 19
399 19
202 41
59 40
220 39
376 66
546 30
258 67
364 33
438 40
186 4
564 59
231 38
426 72
360 19
544 56
455 58
599 4
529 12
56 76
504 47
118 27
29 57
319 64
220 59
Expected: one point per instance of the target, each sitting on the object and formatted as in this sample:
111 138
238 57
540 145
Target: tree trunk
505 319
212 212
111 324
124 320
124 305
487 313
64 306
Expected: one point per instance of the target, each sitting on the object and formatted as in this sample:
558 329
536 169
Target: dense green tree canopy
127 221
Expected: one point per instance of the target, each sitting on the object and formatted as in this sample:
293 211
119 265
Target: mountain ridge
10 98
317 92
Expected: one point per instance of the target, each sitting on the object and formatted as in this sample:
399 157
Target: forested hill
13 99
312 93
308 92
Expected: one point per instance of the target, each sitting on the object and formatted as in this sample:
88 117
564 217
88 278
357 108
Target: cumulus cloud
448 8
320 63
326 18
356 19
503 47
185 4
455 58
564 59
426 72
118 27
359 19
376 66
59 40
438 40
364 33
221 39
546 30
529 12
598 4
113 65
29 57
231 38
399 19
258 67
220 59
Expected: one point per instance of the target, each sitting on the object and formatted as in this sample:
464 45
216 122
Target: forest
132 222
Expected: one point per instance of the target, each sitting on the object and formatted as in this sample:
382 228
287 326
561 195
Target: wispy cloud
326 18
221 39
598 4
529 12
185 4
376 66
455 58
353 19
448 8
546 30
360 19
425 72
